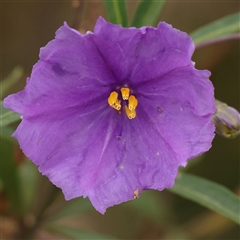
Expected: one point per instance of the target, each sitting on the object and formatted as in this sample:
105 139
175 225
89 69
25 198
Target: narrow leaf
147 13
116 10
7 132
10 177
11 79
75 233
209 194
229 37
28 175
76 206
221 27
7 116
150 207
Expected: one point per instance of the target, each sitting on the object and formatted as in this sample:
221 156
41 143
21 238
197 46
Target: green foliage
150 207
75 233
11 79
28 175
148 12
219 28
6 132
116 10
7 116
76 206
10 176
209 194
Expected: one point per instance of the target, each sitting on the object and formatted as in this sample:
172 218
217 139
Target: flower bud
226 120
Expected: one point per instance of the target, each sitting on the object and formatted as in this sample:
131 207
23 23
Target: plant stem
29 232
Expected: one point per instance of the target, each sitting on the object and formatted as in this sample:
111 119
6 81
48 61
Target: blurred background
26 26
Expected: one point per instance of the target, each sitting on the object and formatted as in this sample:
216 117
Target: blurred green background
26 26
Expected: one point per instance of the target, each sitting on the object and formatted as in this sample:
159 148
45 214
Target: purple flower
108 114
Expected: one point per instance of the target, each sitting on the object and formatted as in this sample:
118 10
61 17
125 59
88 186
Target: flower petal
143 164
181 110
69 68
77 54
159 140
142 54
81 164
47 91
69 65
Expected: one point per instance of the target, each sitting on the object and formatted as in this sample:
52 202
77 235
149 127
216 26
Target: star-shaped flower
108 114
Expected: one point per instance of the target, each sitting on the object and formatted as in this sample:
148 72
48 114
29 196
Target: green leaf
7 132
75 233
150 206
209 194
221 27
10 176
76 206
7 116
28 176
147 13
116 10
11 79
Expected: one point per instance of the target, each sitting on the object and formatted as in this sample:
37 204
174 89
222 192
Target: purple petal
144 161
68 74
48 92
181 110
76 54
142 54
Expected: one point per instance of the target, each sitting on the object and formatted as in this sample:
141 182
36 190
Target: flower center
130 107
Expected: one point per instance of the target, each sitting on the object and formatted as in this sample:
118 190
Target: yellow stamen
117 105
132 103
113 101
112 98
125 93
130 114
